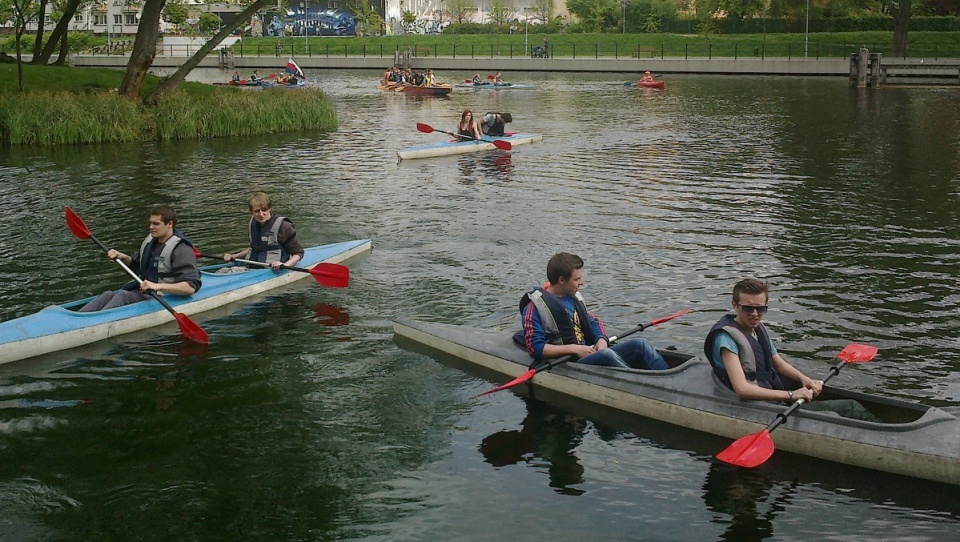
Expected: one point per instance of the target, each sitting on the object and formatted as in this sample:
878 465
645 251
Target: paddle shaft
502 145
782 416
550 364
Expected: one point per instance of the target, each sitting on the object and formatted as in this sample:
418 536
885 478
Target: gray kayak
915 440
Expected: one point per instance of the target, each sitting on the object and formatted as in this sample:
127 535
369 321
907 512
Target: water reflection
743 494
546 435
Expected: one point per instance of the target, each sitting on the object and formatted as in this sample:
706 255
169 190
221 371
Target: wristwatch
790 393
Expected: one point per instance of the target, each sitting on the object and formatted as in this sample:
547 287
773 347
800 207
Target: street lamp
806 31
623 3
306 44
526 30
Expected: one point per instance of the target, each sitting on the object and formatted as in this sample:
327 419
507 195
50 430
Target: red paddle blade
667 318
190 329
857 353
502 145
425 128
76 225
491 77
749 451
515 382
331 274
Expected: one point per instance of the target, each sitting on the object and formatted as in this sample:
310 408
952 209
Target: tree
209 22
460 10
24 11
900 9
59 34
170 83
41 20
144 49
176 13
500 11
544 10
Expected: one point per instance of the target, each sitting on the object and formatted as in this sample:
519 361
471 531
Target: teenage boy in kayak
273 239
556 323
746 361
166 263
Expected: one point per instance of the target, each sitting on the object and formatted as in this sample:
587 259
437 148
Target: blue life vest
264 241
558 326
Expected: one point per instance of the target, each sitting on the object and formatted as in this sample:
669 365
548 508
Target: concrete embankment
736 66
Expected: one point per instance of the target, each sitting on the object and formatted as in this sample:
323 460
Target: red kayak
652 84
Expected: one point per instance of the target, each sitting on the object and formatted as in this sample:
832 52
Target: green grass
80 106
832 44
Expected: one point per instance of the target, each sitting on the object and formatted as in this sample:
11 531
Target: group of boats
291 77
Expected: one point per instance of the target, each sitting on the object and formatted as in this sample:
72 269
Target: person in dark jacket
273 238
166 264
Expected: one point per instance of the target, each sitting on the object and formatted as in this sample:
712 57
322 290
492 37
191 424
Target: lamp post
306 44
623 3
526 30
806 31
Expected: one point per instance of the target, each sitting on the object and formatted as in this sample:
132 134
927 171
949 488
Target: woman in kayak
468 128
647 78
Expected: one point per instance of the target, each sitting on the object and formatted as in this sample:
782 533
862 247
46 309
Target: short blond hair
259 200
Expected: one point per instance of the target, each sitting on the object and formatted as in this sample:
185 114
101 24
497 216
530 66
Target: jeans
113 299
634 353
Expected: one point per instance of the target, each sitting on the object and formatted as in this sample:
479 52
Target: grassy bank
822 45
78 105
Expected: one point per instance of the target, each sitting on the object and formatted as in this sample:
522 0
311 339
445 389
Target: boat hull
437 90
919 441
491 86
659 85
59 328
450 148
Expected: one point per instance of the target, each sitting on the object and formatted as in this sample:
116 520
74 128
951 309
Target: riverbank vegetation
81 105
819 44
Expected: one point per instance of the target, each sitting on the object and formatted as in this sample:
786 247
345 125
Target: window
118 19
100 20
78 18
131 18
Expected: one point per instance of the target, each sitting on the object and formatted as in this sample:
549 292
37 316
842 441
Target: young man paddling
746 361
556 323
493 124
273 239
166 262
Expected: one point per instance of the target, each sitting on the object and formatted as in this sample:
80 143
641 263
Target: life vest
159 268
756 358
558 327
265 247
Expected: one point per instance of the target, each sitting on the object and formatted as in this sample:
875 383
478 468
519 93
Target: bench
644 52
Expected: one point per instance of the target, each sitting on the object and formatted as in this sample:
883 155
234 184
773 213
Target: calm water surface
302 420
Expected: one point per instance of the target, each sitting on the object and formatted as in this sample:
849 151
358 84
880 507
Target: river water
302 420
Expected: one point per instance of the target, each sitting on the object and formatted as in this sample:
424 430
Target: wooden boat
456 146
492 86
60 327
436 90
914 440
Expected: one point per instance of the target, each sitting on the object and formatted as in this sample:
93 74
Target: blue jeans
634 353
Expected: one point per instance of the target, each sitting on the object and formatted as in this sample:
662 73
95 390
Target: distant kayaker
165 261
273 238
255 76
647 78
498 79
236 77
467 126
492 124
556 323
477 80
746 361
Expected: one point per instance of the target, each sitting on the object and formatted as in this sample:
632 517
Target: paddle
188 327
753 450
327 274
549 364
502 145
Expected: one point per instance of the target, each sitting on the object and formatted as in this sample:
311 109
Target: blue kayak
60 327
451 147
492 86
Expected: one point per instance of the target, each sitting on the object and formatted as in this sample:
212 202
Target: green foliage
707 26
64 106
501 11
176 13
209 22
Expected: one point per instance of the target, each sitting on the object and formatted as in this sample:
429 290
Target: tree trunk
64 50
59 31
41 19
901 24
144 49
170 83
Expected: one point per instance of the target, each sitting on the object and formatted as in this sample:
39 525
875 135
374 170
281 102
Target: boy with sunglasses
743 356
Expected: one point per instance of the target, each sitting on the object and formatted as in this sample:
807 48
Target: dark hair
562 265
507 117
165 212
749 286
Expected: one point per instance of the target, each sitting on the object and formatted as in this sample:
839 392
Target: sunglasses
761 309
